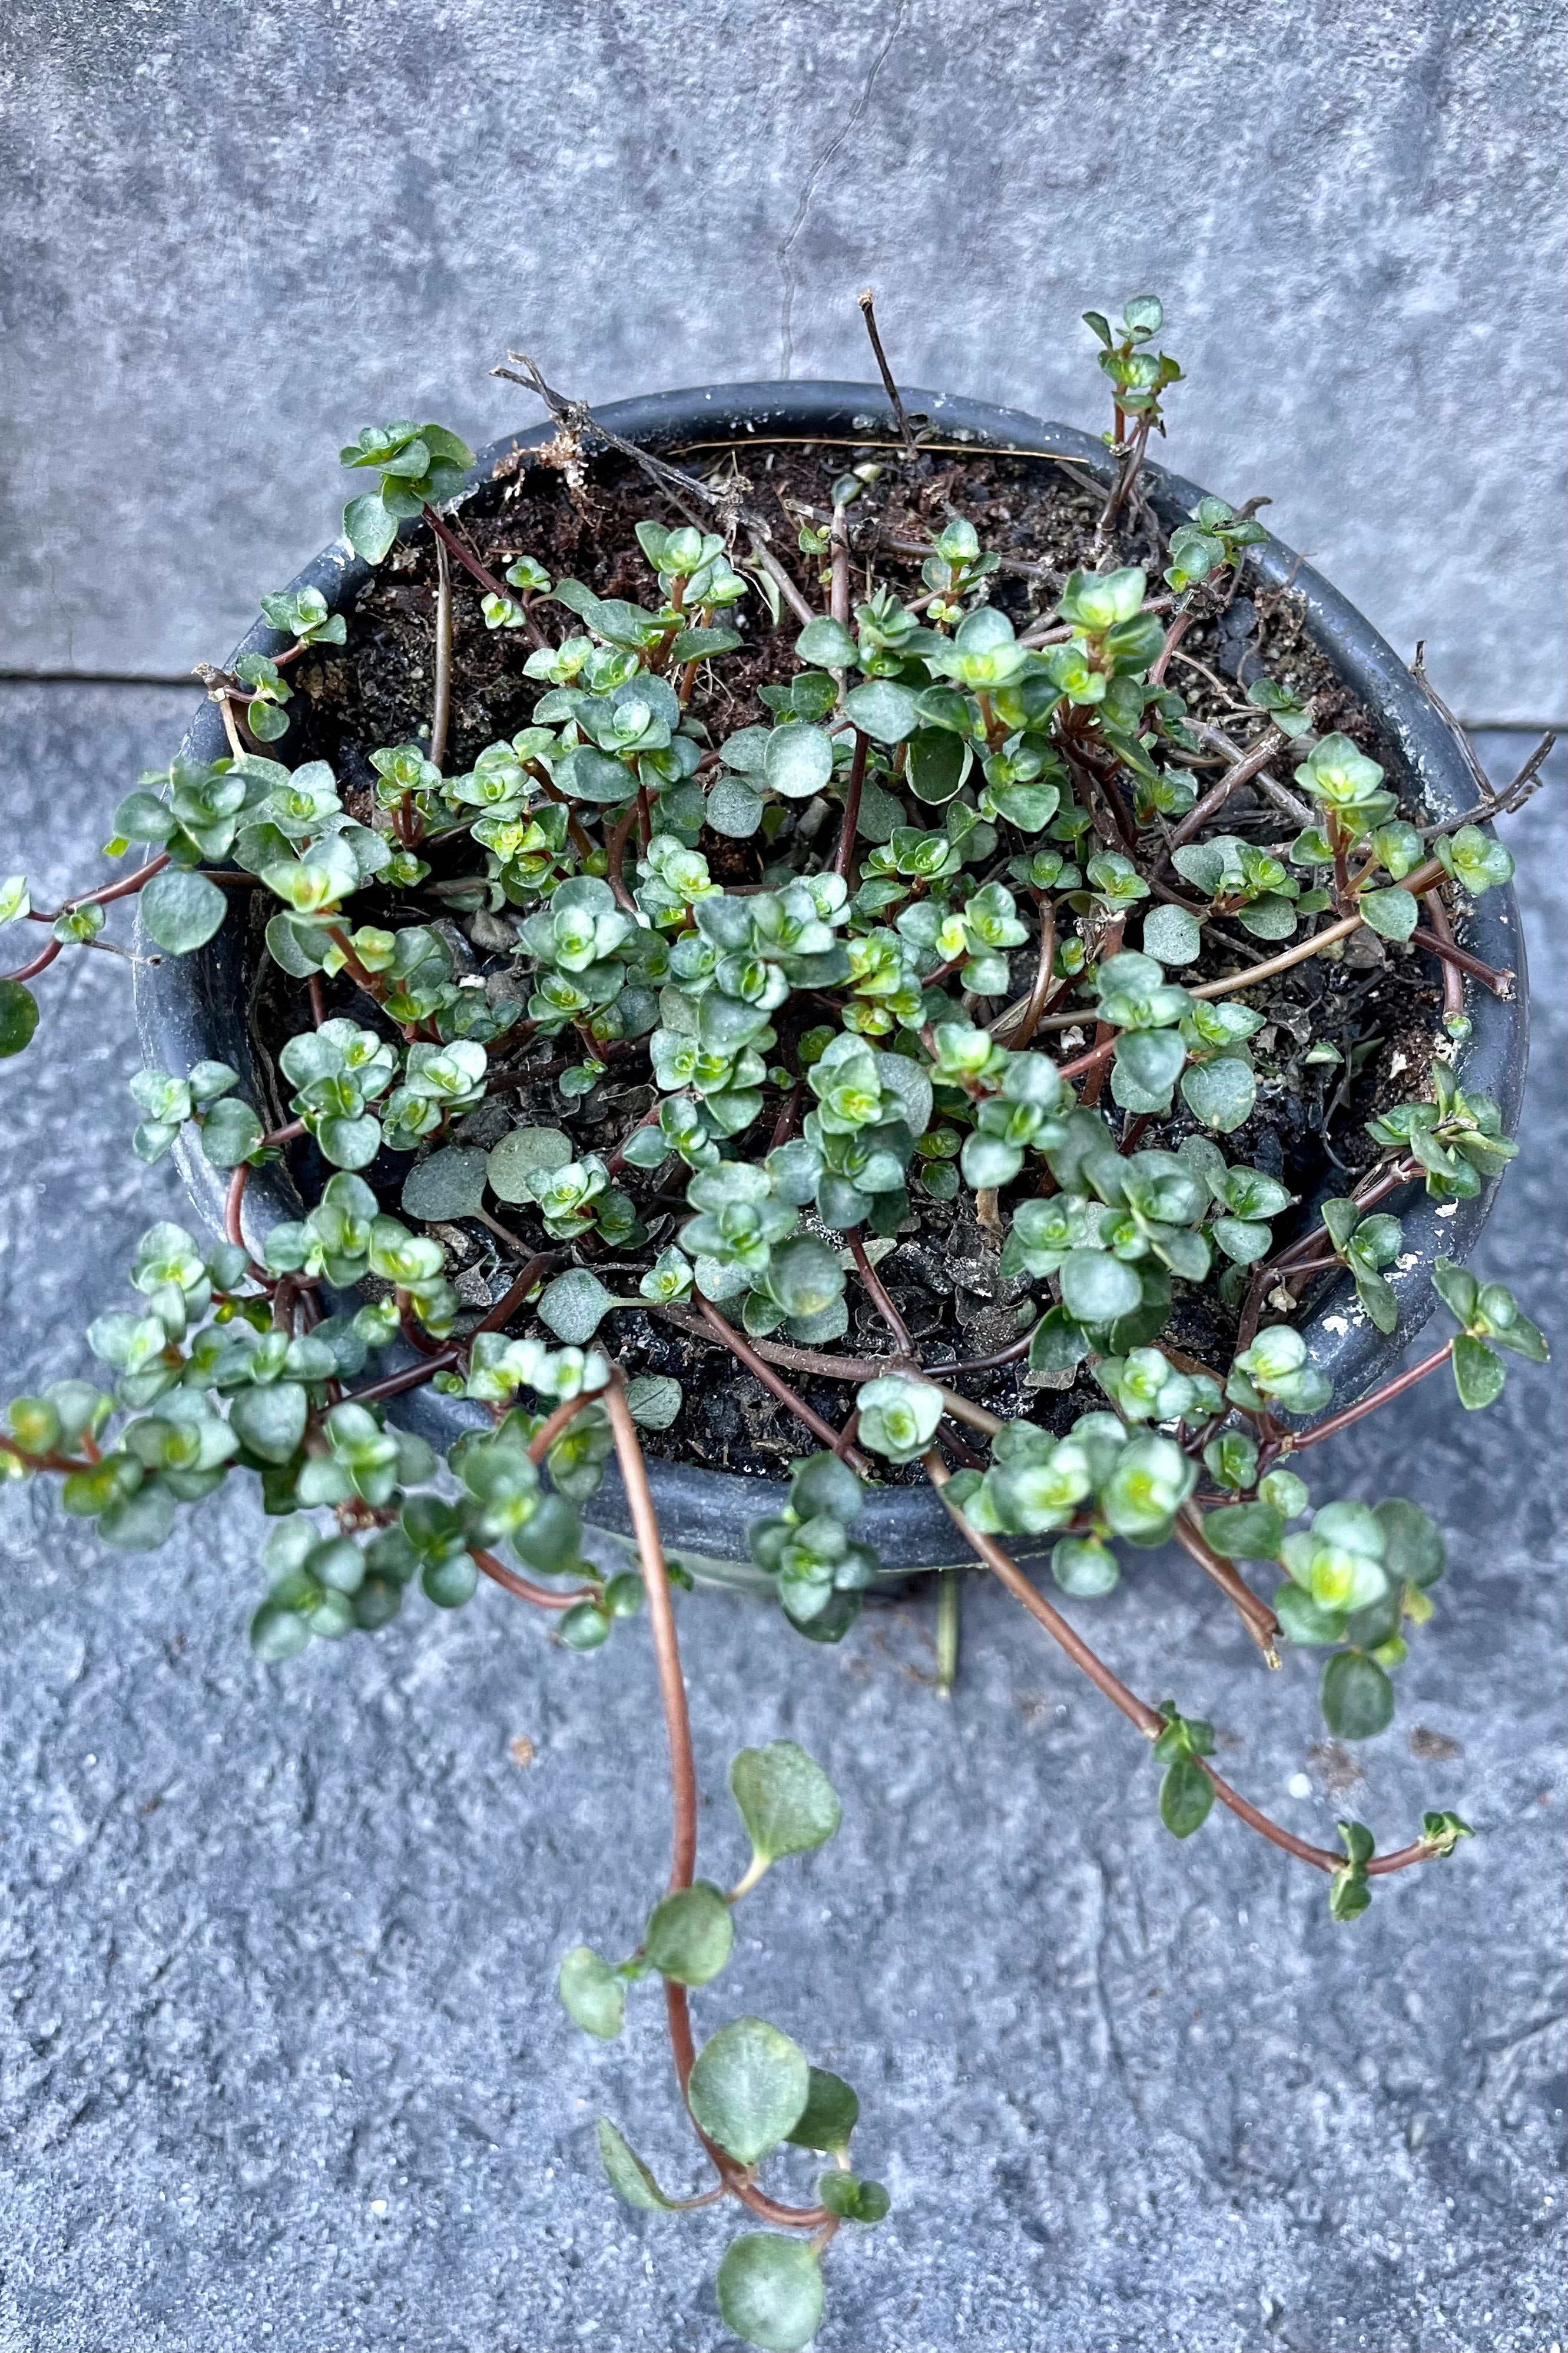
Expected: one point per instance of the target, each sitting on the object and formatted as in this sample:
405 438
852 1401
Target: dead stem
1418 884
1240 772
441 707
1035 1003
867 311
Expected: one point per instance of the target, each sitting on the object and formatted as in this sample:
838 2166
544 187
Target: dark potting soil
1378 1006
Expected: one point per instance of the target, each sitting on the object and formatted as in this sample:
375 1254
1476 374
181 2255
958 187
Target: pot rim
193 1008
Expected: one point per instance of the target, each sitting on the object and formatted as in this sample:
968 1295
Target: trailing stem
1147 1720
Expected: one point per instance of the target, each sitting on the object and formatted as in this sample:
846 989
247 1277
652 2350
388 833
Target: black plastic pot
194 1007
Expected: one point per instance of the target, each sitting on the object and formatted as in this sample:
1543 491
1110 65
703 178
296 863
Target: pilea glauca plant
852 898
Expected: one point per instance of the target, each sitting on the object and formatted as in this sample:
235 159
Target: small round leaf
1390 912
181 910
748 2087
826 643
1097 1288
1414 1549
785 1799
1172 935
518 1156
448 1184
1220 1094
654 1400
770 2292
574 1305
733 808
271 1421
591 1995
1186 1793
830 2113
1357 1696
882 710
689 1933
627 2176
18 1016
276 1634
1084 1568
799 760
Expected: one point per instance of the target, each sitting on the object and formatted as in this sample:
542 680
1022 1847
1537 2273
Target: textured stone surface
236 233
279 2064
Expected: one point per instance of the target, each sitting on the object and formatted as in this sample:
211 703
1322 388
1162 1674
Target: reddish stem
884 1305
1254 1615
40 963
1174 636
1147 1721
549 1429
843 855
1042 987
411 1377
234 1203
525 1589
1440 942
470 563
820 1430
1390 1389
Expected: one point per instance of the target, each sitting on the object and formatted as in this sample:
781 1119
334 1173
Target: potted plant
839 985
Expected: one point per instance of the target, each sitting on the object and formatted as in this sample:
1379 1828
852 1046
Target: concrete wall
233 234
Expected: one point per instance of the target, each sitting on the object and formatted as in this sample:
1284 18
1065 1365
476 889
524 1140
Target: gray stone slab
234 234
279 2063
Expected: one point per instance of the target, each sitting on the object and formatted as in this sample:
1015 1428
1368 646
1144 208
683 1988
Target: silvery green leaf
1172 935
799 760
448 1184
519 1156
574 1305
733 808
180 910
653 1400
1220 1094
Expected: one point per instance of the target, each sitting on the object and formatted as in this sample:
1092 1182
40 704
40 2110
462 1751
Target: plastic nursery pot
194 1007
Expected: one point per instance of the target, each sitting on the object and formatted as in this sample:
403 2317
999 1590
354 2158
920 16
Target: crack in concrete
788 244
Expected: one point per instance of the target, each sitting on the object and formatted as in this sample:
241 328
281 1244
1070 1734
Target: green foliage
1187 1790
1367 1245
18 1016
688 1935
593 1995
1138 376
748 2087
770 2292
627 2174
1475 861
821 1571
1275 1371
898 1416
1489 1318
1457 1138
785 1799
829 2117
416 466
745 1074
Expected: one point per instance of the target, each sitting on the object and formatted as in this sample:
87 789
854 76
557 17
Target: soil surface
1379 1005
